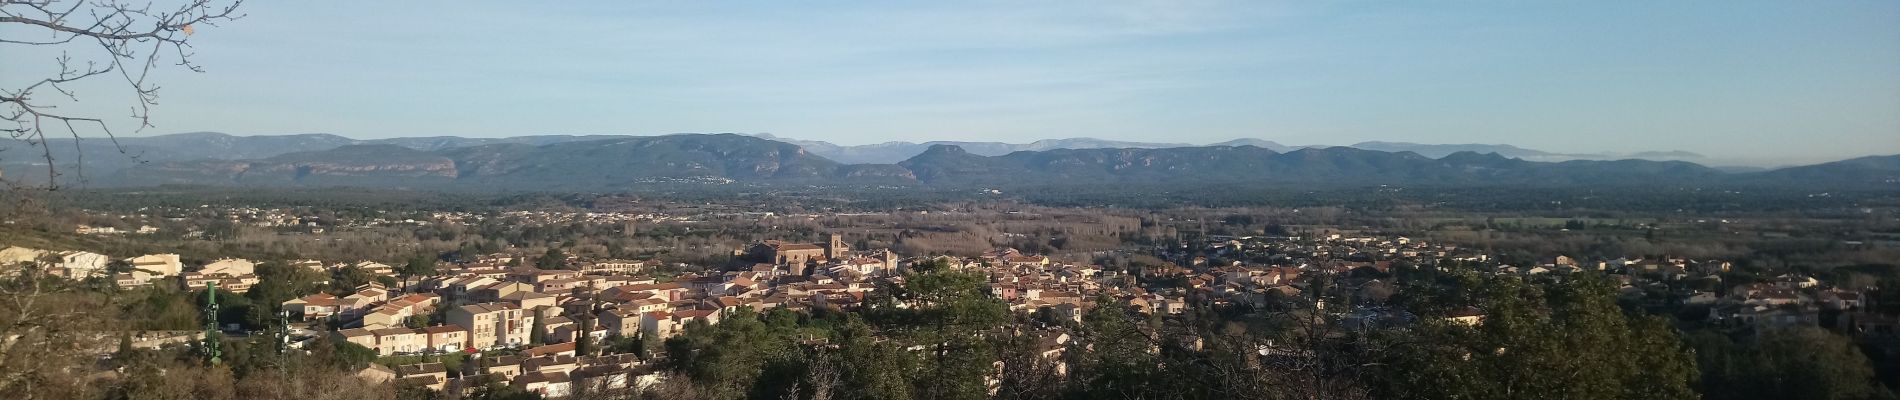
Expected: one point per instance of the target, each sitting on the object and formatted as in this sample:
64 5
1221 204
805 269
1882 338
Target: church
831 257
782 253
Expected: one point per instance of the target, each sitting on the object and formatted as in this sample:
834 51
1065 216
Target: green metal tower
211 335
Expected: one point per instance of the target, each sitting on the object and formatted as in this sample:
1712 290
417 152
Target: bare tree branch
133 37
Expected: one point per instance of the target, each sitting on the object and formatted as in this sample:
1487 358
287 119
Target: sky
1748 81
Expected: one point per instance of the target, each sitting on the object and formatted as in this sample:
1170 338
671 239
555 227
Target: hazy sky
1779 80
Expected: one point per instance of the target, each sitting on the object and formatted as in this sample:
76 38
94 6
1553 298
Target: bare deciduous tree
46 335
132 40
823 375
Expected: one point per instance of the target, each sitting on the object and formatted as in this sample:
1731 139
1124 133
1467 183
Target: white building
82 264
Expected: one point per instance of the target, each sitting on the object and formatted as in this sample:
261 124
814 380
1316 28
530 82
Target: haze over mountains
560 162
892 152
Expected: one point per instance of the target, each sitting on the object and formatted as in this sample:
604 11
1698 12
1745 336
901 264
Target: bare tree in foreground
133 39
45 338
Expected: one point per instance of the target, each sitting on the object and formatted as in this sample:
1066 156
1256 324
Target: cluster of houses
482 307
72 264
497 307
232 274
229 274
108 230
552 371
1245 269
537 316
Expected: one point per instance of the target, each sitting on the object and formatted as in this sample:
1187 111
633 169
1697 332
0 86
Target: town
549 323
1166 200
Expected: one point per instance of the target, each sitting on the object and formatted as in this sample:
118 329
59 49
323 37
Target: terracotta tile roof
549 349
396 331
320 299
695 313
489 307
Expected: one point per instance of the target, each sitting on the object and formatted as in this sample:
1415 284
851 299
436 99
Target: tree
552 259
1561 340
159 308
538 334
821 375
951 309
352 356
933 264
346 279
46 330
739 357
232 308
277 283
1026 373
872 368
583 342
133 40
416 321
1116 362
1792 363
648 347
498 391
419 265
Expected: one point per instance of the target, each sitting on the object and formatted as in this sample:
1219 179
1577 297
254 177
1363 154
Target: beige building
230 266
1468 316
658 324
358 336
507 366
547 384
158 264
374 268
492 325
428 375
495 291
312 265
400 341
229 283
663 324
782 253
316 306
529 300
447 338
623 321
386 317
614 266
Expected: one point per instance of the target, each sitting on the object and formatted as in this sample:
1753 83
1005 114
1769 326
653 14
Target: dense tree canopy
1562 340
1795 363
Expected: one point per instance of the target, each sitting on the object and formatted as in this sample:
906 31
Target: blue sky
1766 81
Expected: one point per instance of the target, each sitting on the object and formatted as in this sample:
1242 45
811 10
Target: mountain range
892 152
619 162
219 146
